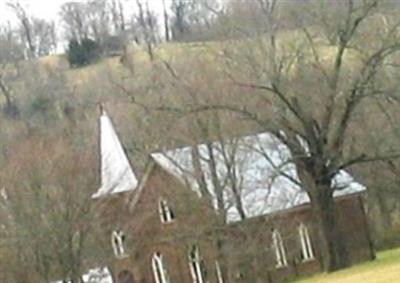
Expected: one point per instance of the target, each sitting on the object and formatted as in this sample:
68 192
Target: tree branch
363 158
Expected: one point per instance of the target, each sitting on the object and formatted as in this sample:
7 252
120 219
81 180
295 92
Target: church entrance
125 277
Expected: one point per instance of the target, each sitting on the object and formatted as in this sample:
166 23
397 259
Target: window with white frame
166 214
159 269
118 243
279 249
197 267
305 241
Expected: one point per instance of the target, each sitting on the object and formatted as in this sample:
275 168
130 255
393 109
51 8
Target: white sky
48 9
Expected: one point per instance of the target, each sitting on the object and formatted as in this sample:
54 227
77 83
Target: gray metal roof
262 164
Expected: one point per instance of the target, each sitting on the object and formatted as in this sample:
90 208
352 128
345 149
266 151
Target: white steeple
116 173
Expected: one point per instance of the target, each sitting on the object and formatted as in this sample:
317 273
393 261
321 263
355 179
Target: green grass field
385 269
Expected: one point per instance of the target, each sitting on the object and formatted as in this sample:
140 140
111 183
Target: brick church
222 212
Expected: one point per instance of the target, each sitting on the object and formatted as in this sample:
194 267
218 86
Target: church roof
262 167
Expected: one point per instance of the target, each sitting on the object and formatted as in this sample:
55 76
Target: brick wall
193 224
257 262
243 249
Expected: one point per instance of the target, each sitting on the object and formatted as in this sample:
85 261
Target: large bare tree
315 90
307 83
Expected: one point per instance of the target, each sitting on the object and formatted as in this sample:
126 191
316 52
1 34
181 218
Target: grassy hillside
385 269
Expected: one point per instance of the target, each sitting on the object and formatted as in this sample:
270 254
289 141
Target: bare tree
51 219
98 19
11 54
38 34
319 142
306 88
179 10
45 37
147 21
87 20
75 21
25 23
118 17
166 22
193 20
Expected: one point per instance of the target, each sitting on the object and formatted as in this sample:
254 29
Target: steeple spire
116 173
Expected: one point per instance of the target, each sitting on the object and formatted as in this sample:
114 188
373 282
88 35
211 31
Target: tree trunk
28 35
198 172
384 212
10 108
334 254
166 22
218 189
332 245
239 203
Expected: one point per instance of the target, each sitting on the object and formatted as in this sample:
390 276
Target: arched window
159 269
118 243
166 214
306 247
279 249
197 266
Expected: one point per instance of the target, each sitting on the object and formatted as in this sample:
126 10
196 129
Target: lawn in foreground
385 269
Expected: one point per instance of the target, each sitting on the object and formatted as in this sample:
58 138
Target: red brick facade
244 250
252 239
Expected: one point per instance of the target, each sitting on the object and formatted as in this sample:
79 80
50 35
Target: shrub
82 53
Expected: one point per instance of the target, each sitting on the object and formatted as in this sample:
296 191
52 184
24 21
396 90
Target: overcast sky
48 9
41 8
